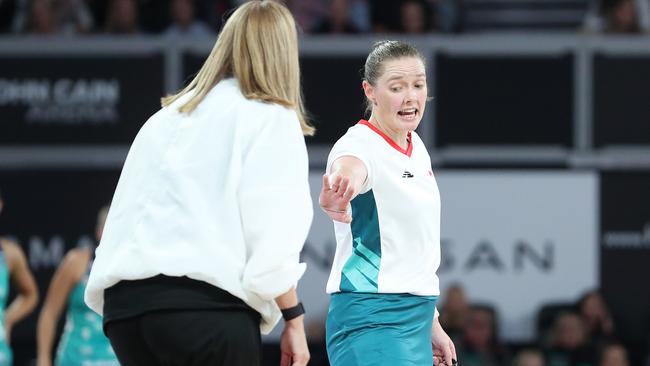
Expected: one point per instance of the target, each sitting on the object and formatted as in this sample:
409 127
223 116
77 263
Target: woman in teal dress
13 265
381 193
83 341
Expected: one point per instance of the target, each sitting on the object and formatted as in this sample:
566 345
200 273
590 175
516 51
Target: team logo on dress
407 174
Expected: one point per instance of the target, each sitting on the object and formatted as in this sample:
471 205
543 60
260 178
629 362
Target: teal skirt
380 329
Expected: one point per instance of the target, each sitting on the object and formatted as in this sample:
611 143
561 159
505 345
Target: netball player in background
202 240
381 193
83 342
13 265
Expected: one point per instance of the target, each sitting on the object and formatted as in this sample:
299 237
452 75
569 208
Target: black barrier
620 105
625 251
333 94
332 88
50 212
72 98
77 99
492 100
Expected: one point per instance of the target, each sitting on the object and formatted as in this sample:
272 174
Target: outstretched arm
346 180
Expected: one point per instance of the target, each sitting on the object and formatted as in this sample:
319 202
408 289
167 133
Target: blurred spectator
617 16
415 17
33 17
73 16
52 17
613 354
622 18
337 20
547 316
184 23
643 10
453 311
480 345
360 15
529 357
568 343
122 17
596 317
448 15
41 19
308 13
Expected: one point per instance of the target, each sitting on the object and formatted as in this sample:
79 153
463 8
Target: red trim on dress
409 149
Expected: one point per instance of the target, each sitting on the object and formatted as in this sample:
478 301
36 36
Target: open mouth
408 113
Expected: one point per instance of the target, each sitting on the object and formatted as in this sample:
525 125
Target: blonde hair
258 46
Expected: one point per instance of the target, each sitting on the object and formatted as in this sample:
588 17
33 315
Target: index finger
326 182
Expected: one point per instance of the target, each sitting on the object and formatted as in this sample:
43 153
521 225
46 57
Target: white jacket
219 195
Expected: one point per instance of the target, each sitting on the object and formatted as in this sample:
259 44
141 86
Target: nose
411 95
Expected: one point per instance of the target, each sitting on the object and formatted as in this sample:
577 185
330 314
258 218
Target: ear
369 90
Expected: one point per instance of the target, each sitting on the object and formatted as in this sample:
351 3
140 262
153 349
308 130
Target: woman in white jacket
201 244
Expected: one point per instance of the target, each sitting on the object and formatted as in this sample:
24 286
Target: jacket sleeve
275 204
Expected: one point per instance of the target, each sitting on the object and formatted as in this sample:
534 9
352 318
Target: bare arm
287 300
346 179
23 279
64 280
293 342
444 351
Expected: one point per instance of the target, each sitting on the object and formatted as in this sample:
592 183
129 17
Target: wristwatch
293 312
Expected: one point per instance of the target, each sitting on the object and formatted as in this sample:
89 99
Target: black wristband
293 312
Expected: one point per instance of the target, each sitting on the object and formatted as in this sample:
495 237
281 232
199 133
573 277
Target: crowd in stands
569 334
199 18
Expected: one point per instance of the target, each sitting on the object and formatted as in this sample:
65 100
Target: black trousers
187 337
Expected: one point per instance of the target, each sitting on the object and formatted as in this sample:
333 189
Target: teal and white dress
83 342
383 281
6 356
